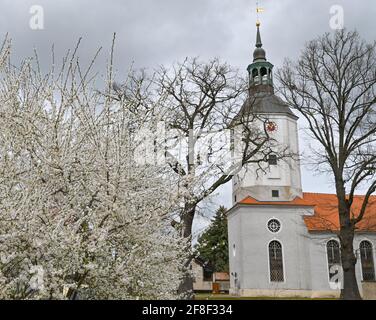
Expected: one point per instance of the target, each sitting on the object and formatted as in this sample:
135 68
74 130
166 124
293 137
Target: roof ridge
250 197
319 193
334 194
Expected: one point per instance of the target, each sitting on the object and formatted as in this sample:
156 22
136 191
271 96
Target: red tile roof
325 206
296 202
221 276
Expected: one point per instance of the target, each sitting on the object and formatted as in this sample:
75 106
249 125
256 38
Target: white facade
285 177
305 263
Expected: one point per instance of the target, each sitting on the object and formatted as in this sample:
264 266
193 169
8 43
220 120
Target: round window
274 225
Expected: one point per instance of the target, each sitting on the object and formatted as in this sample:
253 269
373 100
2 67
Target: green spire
260 71
259 53
258 38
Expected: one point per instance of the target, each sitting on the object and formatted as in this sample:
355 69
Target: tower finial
259 53
258 10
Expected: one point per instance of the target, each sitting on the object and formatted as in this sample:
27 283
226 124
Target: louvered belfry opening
276 262
366 256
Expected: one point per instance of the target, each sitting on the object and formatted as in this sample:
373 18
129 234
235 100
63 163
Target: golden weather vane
258 11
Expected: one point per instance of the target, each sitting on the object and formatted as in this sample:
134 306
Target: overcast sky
154 32
151 32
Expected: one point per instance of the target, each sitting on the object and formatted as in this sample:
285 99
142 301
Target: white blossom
78 217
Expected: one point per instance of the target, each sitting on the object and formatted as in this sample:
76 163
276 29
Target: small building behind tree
210 267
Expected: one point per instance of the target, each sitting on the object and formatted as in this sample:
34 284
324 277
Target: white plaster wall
235 260
255 237
304 253
285 177
199 284
320 278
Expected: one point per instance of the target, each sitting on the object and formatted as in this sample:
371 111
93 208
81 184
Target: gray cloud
152 32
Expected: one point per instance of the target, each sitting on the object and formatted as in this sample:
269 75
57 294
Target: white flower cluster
79 219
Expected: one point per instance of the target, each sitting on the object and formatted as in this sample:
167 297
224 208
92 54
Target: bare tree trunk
350 289
188 216
186 286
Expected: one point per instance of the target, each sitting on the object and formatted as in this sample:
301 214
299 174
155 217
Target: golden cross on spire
258 10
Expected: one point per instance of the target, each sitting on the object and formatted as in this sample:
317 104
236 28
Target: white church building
282 241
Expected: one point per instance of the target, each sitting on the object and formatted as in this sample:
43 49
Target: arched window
334 259
366 257
255 76
270 76
264 75
276 262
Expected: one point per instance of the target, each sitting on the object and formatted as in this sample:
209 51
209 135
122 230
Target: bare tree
202 108
333 86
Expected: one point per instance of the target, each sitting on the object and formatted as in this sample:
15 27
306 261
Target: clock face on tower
271 127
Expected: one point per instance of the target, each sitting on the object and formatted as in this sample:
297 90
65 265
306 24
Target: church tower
280 178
